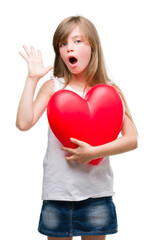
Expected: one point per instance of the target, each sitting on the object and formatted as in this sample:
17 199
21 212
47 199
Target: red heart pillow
96 119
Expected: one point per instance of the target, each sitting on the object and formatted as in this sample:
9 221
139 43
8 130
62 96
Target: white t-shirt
70 181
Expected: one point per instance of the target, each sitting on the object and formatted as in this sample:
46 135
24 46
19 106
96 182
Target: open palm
34 60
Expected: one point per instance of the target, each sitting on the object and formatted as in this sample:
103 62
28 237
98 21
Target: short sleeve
58 83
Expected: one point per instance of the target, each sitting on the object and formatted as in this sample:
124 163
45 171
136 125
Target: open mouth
73 60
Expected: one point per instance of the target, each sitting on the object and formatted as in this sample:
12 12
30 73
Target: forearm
26 106
120 145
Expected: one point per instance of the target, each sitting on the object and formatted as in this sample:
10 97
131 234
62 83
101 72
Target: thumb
49 68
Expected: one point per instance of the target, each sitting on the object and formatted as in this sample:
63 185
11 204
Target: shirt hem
66 198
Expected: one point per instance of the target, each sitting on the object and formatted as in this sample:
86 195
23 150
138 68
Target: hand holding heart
84 153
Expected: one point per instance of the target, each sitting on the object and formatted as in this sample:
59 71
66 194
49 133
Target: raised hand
35 64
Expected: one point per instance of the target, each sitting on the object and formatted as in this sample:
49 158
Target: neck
79 79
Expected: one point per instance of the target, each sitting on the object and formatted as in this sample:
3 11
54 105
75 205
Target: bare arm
29 111
125 143
84 153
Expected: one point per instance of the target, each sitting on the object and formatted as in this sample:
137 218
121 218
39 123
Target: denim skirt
93 216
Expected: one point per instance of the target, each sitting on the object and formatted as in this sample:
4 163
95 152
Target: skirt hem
94 233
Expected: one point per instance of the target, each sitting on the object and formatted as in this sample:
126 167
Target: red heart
96 119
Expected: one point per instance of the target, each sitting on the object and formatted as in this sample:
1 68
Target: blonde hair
96 71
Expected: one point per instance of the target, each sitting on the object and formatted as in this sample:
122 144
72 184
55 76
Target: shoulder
118 90
58 83
47 87
120 94
52 85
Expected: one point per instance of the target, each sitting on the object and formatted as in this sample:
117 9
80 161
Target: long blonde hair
96 71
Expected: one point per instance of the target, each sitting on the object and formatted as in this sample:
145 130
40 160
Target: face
75 52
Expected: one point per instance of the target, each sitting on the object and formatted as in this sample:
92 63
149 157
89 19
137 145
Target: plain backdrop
126 32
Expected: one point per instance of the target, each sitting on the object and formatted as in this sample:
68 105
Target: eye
78 41
62 44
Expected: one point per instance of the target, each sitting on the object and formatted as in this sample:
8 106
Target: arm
85 153
125 143
29 111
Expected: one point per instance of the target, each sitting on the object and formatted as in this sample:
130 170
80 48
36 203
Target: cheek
86 54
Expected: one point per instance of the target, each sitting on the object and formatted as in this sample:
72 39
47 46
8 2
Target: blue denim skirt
93 216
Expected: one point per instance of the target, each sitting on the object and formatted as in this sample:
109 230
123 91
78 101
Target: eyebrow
76 36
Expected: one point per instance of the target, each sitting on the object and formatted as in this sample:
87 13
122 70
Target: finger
71 158
49 68
76 141
24 56
69 150
33 51
26 50
39 54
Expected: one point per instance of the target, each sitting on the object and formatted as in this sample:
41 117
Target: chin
76 71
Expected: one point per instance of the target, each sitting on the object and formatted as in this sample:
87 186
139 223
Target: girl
77 196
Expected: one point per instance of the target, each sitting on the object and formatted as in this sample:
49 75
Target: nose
70 47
